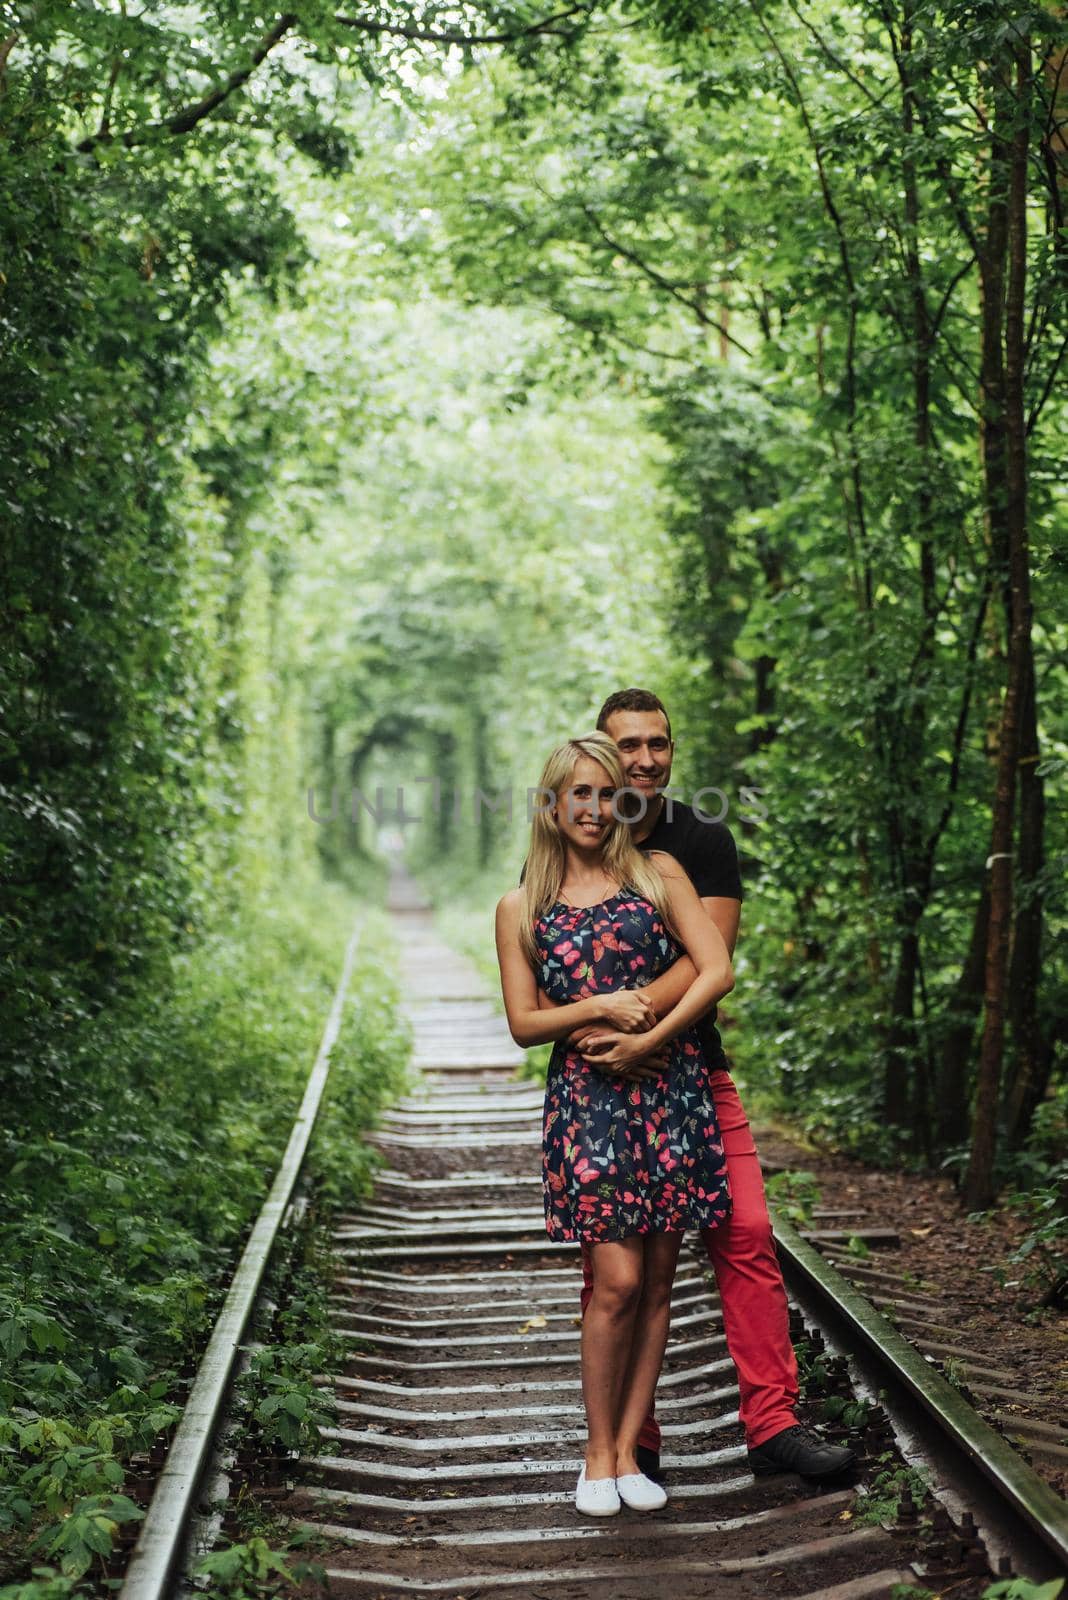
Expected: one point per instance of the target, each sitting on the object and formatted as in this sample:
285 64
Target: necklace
590 904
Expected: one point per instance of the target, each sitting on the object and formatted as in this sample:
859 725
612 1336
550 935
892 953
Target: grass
120 1222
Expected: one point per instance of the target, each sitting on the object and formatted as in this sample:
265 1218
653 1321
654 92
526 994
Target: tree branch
961 271
663 283
836 60
184 121
454 36
1047 387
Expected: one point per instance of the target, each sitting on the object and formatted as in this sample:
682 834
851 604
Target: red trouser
751 1292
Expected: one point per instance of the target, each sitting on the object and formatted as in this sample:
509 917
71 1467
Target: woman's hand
622 1055
628 1010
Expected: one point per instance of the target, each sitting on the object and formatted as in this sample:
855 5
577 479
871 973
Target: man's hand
620 1055
577 1040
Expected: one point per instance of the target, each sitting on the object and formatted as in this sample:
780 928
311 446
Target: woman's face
583 810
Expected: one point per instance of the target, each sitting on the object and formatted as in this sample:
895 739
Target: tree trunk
446 772
1008 216
1031 1056
901 1042
771 565
954 1079
483 780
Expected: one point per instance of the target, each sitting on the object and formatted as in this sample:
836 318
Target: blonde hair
546 858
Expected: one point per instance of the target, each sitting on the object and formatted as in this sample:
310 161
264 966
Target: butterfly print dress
623 1158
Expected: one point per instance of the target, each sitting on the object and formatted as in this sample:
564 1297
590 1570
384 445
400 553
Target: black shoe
649 1463
800 1450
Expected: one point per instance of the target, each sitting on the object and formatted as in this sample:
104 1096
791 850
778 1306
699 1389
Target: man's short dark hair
631 700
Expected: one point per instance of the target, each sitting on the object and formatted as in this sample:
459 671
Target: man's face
644 748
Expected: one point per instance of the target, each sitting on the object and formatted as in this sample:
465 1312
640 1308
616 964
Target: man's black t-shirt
710 857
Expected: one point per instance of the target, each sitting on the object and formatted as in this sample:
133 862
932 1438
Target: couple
616 948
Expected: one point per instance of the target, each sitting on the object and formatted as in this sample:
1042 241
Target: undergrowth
795 1194
121 1220
890 1483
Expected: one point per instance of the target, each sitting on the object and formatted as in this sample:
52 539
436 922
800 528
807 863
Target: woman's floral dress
623 1158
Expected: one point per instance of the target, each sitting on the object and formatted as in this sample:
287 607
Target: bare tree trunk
725 316
1008 218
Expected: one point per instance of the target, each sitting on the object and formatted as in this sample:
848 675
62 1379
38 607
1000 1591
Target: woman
627 1164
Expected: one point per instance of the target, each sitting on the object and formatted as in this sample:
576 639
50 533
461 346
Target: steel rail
165 1527
921 1399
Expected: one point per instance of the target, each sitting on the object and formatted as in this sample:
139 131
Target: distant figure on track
742 1251
627 1166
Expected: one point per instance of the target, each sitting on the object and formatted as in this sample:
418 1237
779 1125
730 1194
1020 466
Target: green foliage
1035 1189
87 1532
258 1565
812 1375
852 1414
889 1485
246 1571
795 1194
292 1409
1042 1254
283 1404
536 1063
114 283
807 331
118 1230
369 1069
1024 1589
47 1583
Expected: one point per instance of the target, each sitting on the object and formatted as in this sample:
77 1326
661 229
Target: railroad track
450 1470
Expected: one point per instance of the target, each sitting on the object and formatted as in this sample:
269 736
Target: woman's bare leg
651 1323
607 1330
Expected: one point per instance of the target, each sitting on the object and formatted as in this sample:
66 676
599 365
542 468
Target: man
741 1251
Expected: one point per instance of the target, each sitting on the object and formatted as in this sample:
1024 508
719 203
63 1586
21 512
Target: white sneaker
599 1498
641 1493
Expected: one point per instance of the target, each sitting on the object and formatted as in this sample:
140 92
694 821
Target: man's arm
726 913
704 943
665 992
